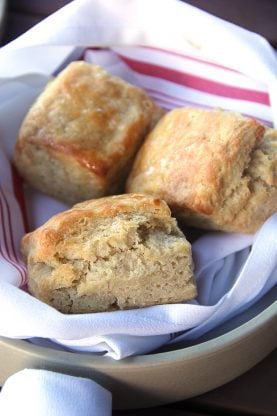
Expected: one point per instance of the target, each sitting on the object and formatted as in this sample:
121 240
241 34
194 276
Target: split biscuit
117 252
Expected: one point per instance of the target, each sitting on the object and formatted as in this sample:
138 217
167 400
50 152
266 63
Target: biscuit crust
215 169
80 137
118 252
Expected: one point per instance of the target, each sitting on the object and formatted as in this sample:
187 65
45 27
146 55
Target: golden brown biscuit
215 169
80 137
110 253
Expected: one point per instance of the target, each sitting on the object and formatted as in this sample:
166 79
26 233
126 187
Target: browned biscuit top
90 115
43 241
190 157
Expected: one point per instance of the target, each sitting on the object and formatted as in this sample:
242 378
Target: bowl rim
206 348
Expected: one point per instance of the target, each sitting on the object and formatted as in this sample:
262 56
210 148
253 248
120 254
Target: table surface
255 392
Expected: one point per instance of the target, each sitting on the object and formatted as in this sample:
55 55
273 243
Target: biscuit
117 252
215 169
79 138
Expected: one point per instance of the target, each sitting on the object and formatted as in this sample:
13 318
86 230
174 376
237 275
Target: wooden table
254 393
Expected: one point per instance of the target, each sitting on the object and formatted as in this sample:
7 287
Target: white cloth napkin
229 279
45 393
185 57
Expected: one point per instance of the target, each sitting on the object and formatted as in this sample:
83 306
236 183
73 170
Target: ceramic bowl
166 375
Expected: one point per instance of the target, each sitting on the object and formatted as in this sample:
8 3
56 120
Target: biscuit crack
100 263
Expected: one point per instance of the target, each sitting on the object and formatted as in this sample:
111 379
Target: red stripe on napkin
191 58
7 248
19 195
196 82
169 101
